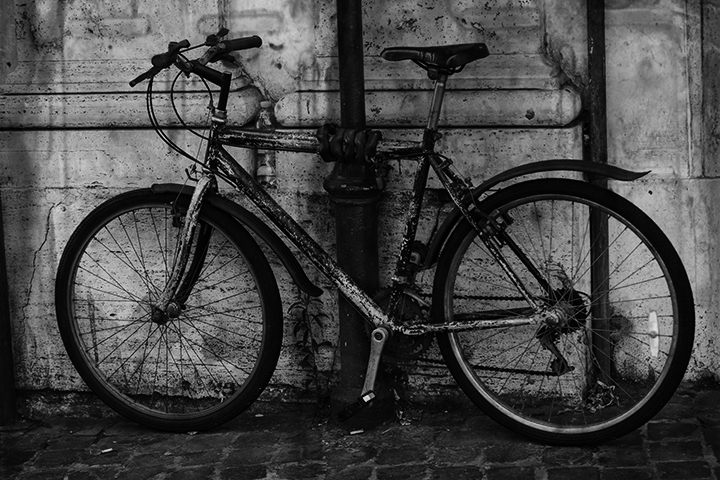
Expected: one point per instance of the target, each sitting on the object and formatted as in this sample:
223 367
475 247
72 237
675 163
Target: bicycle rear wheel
192 372
619 342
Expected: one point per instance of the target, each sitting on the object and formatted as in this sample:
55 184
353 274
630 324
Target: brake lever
214 39
164 60
213 54
175 47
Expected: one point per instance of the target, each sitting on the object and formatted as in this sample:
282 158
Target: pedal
363 401
378 337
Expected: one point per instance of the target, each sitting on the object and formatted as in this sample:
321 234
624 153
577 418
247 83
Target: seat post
437 100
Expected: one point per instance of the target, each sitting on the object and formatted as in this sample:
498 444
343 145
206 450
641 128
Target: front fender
594 170
258 227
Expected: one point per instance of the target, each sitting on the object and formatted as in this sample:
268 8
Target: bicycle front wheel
620 335
187 372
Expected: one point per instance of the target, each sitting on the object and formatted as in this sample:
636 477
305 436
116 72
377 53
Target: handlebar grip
150 73
241 43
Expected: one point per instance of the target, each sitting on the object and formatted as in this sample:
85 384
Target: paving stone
90 474
627 474
302 471
203 442
141 471
403 454
627 456
707 399
351 473
247 472
44 474
407 472
709 419
115 457
584 473
660 431
456 473
456 454
634 438
674 451
207 457
188 473
154 459
510 473
508 453
71 442
299 448
295 444
675 410
56 458
683 470
12 459
343 455
712 437
252 449
568 455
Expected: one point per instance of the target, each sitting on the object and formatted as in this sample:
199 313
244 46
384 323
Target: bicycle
171 314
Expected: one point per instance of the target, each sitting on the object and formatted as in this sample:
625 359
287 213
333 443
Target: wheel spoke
545 380
175 373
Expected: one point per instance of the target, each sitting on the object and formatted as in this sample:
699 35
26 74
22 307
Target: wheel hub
161 317
566 314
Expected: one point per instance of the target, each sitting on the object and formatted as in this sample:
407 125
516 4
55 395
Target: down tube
246 185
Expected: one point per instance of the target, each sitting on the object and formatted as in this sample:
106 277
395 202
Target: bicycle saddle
445 59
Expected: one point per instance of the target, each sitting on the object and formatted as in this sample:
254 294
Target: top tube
305 141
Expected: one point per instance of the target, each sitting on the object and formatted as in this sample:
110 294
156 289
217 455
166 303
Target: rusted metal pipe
355 192
597 151
8 62
8 406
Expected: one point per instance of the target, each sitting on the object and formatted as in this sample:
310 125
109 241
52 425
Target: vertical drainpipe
355 192
597 151
8 62
7 369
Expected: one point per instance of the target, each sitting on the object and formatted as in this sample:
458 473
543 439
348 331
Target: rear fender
592 169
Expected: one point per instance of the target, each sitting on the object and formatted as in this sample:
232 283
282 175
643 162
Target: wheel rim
577 406
187 366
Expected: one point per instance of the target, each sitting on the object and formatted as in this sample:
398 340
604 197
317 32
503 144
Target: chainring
411 309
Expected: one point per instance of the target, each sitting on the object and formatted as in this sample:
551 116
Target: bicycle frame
219 161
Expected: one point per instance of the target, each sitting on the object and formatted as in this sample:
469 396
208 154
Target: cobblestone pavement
297 442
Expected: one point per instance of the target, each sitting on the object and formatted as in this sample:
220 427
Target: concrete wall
72 133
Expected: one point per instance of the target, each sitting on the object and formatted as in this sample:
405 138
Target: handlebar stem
224 91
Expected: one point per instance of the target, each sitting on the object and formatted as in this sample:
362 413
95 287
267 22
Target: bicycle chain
471 297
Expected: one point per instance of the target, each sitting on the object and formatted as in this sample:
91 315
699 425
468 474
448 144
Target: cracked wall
89 138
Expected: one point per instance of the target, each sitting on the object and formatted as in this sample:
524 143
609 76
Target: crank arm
378 337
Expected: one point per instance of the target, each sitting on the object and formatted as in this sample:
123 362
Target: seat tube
436 104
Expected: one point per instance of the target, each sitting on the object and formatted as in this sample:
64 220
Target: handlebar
213 54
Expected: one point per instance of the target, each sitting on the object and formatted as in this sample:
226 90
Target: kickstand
378 337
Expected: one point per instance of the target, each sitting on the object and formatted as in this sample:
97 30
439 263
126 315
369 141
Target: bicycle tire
189 373
598 392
